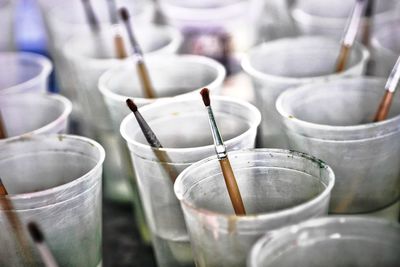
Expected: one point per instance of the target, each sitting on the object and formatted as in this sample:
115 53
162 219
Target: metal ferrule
220 148
354 22
393 80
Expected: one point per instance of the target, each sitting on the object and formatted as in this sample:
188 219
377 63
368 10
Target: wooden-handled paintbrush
220 149
40 242
118 40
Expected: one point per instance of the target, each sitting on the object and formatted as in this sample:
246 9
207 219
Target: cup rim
44 62
56 189
272 236
107 76
170 101
325 127
65 102
260 216
253 72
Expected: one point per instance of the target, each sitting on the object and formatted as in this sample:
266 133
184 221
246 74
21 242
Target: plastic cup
23 72
278 65
332 242
278 188
182 127
213 28
314 17
54 180
386 48
333 121
7 23
28 114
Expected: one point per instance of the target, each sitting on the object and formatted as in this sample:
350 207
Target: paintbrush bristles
132 106
35 232
39 239
3 190
205 94
124 14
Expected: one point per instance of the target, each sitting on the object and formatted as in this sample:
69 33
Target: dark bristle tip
132 106
124 13
35 232
206 96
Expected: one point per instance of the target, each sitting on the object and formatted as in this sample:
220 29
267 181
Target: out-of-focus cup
54 180
386 48
23 72
329 17
27 114
331 241
278 65
278 188
182 127
333 121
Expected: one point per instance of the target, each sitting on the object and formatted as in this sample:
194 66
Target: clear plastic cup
329 17
182 127
23 72
54 180
278 188
278 65
7 16
28 114
213 28
386 48
332 242
333 121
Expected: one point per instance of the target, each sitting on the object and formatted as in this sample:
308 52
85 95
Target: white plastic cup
329 17
278 188
23 72
54 180
182 127
331 241
333 121
278 65
31 114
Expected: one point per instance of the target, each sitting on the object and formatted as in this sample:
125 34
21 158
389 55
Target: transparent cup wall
26 114
7 15
182 128
333 121
54 180
278 188
188 74
386 48
23 73
217 29
332 242
329 17
278 65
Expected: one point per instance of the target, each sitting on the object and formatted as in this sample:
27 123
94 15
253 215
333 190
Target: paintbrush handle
231 184
119 46
342 59
164 161
3 132
384 106
145 80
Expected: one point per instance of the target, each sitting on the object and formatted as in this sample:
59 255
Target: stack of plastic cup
331 242
23 73
28 114
333 121
278 65
7 16
54 180
386 48
182 127
329 17
278 188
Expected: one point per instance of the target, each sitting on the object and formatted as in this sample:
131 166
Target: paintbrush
44 251
16 225
144 77
158 15
390 89
220 149
3 131
90 16
118 40
367 24
153 141
350 34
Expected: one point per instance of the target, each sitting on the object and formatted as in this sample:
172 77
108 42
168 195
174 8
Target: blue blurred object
30 32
